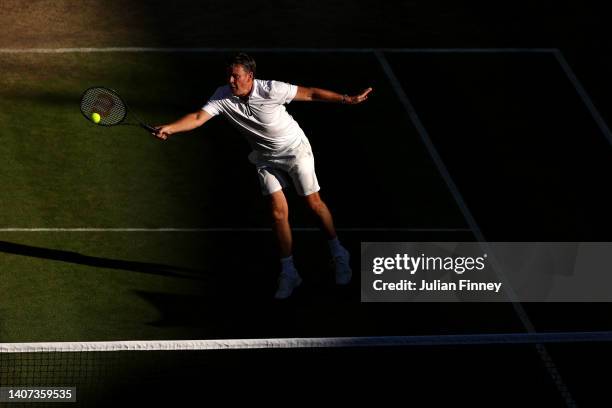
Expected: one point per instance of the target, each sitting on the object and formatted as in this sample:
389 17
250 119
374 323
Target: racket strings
106 103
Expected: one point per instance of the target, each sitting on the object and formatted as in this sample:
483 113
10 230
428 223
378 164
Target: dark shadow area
80 259
438 23
237 301
441 376
518 141
224 312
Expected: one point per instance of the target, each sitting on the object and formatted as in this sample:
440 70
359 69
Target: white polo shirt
264 120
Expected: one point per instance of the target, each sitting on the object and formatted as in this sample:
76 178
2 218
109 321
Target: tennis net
137 372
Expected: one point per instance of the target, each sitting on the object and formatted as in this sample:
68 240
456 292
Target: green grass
65 171
47 299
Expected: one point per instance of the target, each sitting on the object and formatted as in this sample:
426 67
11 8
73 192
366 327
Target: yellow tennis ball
95 117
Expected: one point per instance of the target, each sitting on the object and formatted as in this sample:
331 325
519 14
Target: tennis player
280 149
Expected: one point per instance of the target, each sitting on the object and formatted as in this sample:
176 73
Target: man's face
239 80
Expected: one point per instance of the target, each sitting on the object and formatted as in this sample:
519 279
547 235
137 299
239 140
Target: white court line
269 50
313 342
471 221
299 229
601 123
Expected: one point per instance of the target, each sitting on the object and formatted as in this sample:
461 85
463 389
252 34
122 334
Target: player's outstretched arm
184 124
323 95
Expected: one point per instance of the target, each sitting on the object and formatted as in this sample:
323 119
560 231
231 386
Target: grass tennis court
71 174
217 280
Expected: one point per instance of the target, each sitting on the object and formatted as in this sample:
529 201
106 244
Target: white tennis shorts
298 163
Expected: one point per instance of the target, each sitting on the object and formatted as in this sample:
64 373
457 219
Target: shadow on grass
223 311
80 259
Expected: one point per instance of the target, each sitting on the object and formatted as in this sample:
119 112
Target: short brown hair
243 59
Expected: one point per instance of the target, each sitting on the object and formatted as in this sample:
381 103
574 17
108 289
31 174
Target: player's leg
322 214
272 183
339 254
280 223
289 278
302 171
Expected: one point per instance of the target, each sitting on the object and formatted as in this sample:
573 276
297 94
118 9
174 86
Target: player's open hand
353 100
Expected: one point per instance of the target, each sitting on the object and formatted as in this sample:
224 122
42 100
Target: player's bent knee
280 214
278 207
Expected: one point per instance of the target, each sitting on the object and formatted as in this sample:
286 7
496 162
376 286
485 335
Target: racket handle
149 128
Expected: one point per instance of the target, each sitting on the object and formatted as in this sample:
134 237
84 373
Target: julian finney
438 285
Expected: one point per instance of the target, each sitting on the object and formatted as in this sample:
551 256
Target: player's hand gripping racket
105 107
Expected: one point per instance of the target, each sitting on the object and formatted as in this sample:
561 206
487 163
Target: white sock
334 247
288 268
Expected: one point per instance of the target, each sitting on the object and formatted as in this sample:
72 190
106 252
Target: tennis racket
112 109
